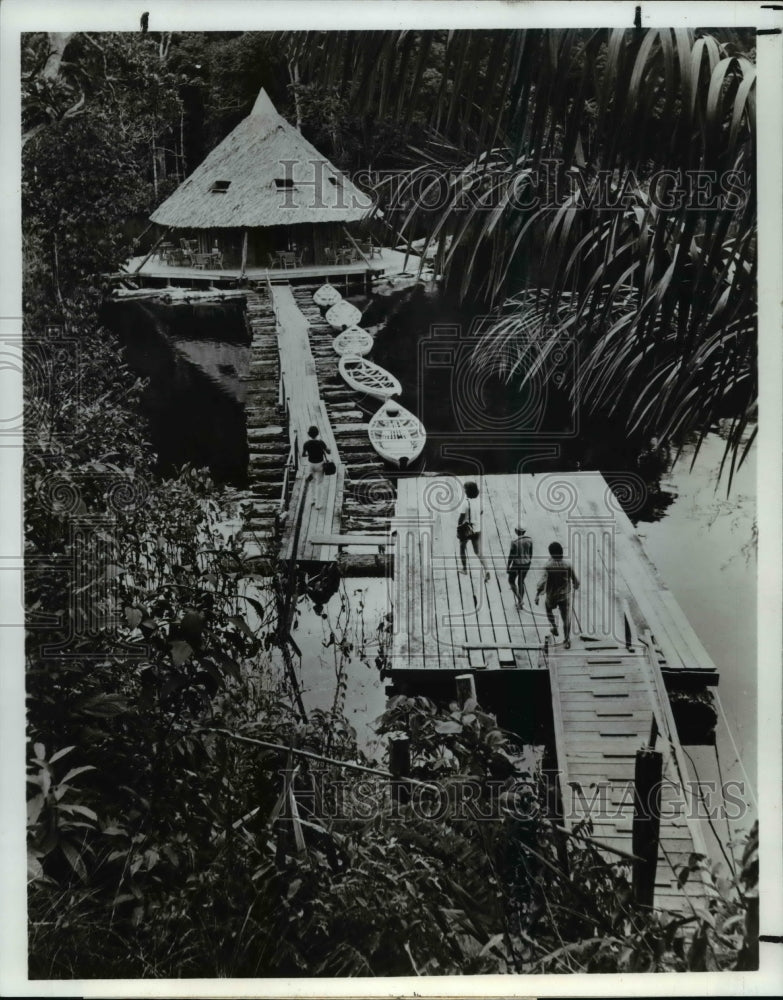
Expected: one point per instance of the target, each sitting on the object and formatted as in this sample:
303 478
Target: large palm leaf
661 302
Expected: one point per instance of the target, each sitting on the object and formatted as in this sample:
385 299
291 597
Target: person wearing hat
556 580
519 557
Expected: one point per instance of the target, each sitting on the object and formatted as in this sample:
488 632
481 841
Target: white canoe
342 315
327 295
354 340
365 376
396 434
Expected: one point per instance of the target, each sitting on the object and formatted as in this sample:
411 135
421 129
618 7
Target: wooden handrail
667 727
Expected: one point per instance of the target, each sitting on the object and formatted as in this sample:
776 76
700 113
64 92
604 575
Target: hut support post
244 252
646 824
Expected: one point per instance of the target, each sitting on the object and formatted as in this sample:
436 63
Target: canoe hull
366 377
397 435
342 315
326 296
354 340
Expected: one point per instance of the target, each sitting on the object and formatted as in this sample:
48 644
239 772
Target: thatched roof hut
263 174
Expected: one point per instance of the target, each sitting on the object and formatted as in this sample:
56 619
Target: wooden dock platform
608 695
449 621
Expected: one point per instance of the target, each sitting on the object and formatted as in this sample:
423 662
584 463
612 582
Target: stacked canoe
395 433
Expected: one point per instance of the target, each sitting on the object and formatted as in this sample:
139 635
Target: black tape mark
771 938
768 31
637 18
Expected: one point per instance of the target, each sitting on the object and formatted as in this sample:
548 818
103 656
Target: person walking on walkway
557 578
469 527
519 556
315 451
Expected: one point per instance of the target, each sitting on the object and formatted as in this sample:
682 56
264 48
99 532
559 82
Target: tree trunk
56 270
294 73
183 162
58 43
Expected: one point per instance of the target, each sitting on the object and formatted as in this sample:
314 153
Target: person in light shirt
469 528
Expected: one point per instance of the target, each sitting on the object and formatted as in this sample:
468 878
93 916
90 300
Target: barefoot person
556 580
519 556
315 452
469 527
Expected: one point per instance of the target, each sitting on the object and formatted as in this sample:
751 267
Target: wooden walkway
608 693
605 707
305 408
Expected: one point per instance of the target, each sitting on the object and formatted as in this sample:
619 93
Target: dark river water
700 540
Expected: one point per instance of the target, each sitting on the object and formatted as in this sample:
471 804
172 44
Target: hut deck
305 408
389 263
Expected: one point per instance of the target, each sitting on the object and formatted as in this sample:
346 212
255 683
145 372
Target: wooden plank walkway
603 707
305 408
605 690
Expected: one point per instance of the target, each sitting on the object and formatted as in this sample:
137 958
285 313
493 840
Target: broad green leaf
133 616
76 770
34 806
181 652
60 753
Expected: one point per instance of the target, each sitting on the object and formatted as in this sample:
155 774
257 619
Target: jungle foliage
164 841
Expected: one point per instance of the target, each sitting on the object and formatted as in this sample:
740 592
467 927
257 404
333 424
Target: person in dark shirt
519 556
315 451
556 580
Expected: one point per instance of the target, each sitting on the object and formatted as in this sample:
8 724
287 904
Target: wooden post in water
646 824
466 687
400 767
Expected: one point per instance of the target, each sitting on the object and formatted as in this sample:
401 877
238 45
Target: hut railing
663 720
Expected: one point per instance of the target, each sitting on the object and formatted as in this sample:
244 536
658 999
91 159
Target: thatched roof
264 173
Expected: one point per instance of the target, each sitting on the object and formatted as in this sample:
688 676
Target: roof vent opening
220 187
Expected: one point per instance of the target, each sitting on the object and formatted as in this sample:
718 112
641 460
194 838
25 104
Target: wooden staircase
267 433
604 702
